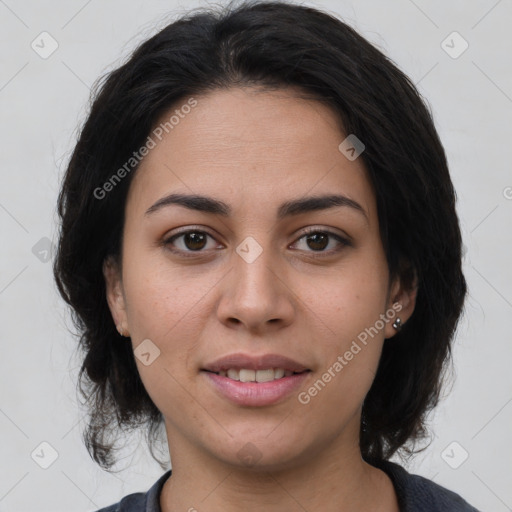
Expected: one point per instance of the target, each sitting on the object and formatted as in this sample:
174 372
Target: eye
195 240
318 240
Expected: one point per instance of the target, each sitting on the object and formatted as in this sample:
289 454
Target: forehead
248 145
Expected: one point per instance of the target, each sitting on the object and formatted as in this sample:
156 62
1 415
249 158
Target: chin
261 452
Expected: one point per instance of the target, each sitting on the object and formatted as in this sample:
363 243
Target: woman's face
252 282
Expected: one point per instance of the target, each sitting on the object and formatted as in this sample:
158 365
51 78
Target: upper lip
254 362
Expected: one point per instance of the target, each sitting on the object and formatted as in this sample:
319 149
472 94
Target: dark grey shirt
415 494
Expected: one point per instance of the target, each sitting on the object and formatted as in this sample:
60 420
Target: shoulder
135 502
140 501
132 503
416 493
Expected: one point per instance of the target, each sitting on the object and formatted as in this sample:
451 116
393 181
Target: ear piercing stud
397 324
121 331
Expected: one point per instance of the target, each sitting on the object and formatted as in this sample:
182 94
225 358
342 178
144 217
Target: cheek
350 308
162 299
354 296
165 307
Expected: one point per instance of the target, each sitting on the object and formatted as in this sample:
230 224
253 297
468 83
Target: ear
115 294
402 301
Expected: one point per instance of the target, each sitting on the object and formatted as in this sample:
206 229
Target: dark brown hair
270 44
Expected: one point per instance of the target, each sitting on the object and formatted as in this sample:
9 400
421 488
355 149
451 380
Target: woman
261 249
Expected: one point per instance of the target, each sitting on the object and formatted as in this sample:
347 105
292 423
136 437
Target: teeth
278 373
245 375
265 375
233 374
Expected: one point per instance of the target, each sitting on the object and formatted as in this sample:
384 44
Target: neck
333 478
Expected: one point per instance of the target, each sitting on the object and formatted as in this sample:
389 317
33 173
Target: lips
255 380
255 394
247 362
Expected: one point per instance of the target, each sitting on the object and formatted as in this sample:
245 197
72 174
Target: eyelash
319 254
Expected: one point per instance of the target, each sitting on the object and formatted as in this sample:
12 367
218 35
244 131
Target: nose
256 294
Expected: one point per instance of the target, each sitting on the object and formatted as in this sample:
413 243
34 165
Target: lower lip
256 394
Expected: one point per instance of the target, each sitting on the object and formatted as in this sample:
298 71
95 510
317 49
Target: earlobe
397 324
402 303
114 293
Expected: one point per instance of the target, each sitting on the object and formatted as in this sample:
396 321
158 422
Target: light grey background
43 102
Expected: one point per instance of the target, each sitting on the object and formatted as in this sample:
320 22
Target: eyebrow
289 208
